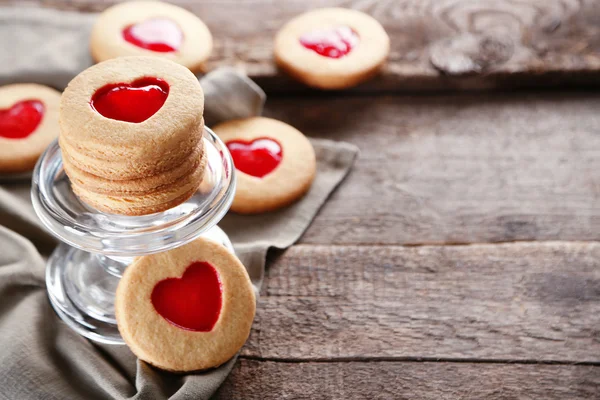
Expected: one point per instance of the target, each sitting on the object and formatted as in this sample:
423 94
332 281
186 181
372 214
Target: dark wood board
255 379
503 302
458 169
474 44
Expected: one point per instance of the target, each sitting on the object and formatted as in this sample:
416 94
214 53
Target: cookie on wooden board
332 48
151 28
166 195
275 163
28 124
187 309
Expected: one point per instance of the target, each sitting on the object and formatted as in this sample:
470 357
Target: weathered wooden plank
265 380
436 44
458 169
519 301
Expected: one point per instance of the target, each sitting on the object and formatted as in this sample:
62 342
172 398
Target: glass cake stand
83 272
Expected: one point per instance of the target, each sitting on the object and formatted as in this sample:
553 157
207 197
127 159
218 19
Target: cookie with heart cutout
28 124
275 163
332 48
187 309
151 28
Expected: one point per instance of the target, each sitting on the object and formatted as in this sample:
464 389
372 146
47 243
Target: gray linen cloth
40 357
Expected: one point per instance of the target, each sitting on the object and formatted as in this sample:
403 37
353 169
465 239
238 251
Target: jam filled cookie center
131 102
192 302
21 120
332 42
157 34
258 157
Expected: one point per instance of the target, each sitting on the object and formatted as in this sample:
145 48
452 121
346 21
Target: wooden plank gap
418 360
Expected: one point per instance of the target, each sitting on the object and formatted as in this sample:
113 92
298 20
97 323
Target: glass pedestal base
81 287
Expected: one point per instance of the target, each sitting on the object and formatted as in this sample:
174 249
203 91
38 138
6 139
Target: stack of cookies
131 135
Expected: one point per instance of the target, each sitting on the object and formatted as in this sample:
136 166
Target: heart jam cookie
157 34
28 124
186 309
332 48
151 28
131 135
275 162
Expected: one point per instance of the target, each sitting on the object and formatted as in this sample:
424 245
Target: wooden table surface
460 259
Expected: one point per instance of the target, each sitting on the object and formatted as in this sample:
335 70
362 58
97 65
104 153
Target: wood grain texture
252 379
458 169
525 301
436 44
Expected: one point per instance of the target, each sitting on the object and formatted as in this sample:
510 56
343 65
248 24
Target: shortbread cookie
136 197
332 48
28 124
140 204
197 160
186 309
275 162
151 28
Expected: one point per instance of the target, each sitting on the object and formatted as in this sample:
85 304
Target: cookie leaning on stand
131 135
187 309
28 124
275 163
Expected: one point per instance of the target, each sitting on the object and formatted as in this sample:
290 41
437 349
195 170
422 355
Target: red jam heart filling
192 302
21 120
158 34
257 158
333 42
131 102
